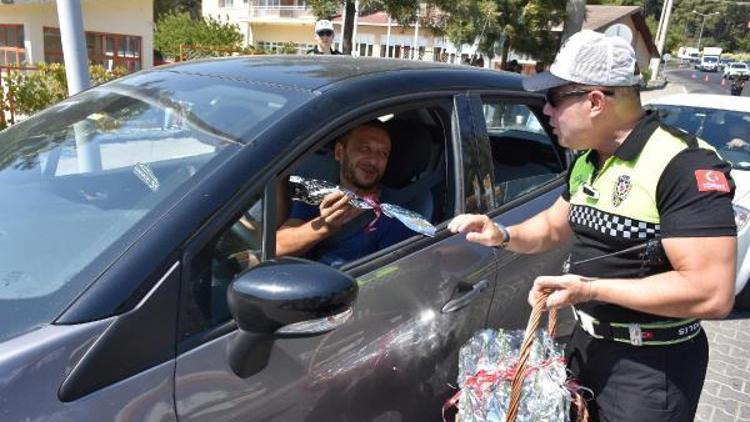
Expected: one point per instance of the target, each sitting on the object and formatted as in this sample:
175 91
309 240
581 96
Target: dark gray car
138 277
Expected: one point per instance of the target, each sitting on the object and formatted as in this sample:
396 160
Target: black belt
639 334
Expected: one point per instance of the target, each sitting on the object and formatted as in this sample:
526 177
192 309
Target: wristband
506 236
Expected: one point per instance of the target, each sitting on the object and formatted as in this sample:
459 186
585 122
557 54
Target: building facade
118 33
272 23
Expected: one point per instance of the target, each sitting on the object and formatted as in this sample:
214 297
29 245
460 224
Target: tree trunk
346 36
575 12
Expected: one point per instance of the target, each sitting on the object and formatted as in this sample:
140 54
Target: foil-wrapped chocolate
485 372
312 191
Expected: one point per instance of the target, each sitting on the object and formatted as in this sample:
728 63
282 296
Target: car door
528 175
395 358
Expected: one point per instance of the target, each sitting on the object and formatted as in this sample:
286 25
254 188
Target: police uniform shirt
315 50
660 183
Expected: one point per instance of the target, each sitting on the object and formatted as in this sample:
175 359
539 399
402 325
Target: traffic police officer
653 248
324 36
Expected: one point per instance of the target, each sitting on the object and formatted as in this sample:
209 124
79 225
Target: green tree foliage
524 26
34 91
728 29
174 29
165 7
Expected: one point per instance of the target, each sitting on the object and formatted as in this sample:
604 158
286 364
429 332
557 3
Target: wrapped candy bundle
516 376
485 373
312 191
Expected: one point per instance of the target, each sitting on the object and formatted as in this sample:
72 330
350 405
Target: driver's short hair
375 123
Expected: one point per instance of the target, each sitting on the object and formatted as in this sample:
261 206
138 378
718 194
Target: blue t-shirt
337 250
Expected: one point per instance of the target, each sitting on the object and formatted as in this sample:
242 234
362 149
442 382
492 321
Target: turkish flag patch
711 180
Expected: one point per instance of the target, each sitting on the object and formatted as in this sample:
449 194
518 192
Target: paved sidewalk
726 393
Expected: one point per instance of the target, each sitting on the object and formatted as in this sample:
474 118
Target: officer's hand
565 290
478 228
335 210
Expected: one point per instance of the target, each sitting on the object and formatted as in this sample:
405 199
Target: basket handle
533 325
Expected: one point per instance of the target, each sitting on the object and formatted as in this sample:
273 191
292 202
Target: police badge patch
621 190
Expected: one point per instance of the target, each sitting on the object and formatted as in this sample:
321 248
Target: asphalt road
726 392
696 81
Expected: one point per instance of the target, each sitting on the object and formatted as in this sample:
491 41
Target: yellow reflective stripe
658 324
644 173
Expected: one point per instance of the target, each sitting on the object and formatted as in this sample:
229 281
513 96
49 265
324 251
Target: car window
86 175
727 131
234 250
412 177
523 155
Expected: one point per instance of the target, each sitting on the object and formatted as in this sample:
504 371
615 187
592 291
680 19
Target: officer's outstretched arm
540 233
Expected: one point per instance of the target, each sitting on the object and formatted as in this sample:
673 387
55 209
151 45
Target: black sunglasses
554 98
325 33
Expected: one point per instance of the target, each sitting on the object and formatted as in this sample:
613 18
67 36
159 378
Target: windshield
84 174
710 59
727 131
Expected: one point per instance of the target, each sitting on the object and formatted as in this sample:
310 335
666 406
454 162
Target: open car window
414 179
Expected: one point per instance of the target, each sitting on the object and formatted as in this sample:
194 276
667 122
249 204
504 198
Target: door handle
466 298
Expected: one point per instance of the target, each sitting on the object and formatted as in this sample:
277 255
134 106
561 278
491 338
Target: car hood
742 189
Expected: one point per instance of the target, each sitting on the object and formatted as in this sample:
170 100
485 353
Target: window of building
365 49
12 51
226 3
108 50
274 46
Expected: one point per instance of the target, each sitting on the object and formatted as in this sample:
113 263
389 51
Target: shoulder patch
711 180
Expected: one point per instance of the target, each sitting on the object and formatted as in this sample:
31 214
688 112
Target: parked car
724 62
733 70
724 122
137 231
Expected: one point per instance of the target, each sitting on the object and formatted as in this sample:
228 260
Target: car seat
408 176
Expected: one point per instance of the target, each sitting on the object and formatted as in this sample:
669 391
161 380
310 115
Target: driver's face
364 156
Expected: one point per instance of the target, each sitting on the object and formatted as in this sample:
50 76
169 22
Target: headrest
411 145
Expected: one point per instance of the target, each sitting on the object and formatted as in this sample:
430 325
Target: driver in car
335 232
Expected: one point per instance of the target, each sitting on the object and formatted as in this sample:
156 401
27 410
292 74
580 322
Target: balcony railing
292 12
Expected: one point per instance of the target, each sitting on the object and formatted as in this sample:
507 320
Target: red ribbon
372 200
482 380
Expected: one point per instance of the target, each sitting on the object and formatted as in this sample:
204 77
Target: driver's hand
335 210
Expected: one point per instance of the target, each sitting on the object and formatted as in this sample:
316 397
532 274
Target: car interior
415 175
522 153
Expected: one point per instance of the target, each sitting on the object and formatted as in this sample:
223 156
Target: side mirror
285 297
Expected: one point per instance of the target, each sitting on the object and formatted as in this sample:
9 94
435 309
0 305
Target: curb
651 85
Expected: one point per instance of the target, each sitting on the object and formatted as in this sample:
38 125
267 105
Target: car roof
720 102
314 72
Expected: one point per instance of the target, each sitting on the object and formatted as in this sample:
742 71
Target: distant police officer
324 36
653 246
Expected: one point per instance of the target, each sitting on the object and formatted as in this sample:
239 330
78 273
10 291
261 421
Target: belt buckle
587 323
636 336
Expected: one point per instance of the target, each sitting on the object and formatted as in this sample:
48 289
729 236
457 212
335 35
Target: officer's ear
598 102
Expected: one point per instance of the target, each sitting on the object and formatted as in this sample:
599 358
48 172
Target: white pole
663 35
388 39
656 62
415 49
74 45
77 74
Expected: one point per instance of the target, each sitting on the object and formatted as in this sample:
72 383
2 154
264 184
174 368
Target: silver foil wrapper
485 367
312 191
